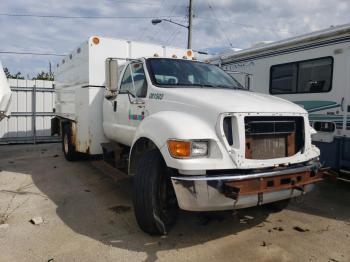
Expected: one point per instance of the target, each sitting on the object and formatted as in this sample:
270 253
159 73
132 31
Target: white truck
5 95
183 128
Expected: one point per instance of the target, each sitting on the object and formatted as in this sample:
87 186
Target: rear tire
155 203
67 146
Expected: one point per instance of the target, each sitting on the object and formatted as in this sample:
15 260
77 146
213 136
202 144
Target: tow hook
300 189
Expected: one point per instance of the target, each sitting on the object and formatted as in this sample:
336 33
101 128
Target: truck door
130 102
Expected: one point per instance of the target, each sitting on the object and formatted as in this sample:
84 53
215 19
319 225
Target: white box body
80 81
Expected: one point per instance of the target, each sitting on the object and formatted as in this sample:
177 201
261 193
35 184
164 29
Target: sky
217 24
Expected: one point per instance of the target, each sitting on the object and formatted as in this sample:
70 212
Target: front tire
155 203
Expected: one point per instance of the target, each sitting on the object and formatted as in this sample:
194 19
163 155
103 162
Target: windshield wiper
203 85
217 86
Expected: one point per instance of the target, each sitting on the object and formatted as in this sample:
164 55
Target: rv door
347 103
5 94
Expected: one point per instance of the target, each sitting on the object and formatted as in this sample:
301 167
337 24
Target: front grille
273 137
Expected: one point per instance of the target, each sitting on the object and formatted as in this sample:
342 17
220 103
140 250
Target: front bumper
234 191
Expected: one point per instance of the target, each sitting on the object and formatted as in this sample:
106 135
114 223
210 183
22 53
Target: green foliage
44 76
8 74
40 76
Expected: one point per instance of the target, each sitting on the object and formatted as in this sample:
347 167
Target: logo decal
136 117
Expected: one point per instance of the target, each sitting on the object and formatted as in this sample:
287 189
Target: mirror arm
136 101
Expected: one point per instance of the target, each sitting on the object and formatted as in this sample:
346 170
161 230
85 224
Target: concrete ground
88 217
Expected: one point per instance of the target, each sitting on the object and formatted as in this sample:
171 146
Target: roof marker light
96 40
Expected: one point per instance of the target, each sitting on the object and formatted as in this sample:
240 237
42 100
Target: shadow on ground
329 199
93 205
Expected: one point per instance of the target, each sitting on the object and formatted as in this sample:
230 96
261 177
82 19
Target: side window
134 80
284 79
315 76
310 76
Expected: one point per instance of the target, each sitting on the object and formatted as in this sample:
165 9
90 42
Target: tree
44 76
18 75
7 72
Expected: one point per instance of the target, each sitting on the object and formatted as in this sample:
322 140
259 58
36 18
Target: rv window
324 127
315 76
284 79
311 76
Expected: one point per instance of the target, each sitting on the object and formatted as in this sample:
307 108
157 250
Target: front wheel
155 203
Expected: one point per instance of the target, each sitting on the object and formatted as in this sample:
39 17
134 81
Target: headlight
187 149
199 149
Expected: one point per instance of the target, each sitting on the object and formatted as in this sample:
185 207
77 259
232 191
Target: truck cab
221 146
192 137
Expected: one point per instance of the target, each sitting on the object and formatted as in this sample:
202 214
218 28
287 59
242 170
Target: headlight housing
188 149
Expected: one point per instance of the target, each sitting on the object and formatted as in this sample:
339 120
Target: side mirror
112 75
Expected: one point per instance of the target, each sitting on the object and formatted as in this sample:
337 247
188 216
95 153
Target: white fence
32 106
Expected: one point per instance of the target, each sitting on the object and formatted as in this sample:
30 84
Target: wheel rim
167 197
65 143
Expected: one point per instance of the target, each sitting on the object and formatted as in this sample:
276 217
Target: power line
83 17
155 15
206 19
159 28
223 31
29 53
135 2
174 35
143 2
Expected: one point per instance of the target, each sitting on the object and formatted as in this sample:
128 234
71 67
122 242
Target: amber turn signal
96 40
179 149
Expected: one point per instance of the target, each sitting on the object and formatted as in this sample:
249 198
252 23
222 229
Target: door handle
115 106
342 104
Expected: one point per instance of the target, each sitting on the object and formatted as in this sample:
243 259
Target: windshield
168 72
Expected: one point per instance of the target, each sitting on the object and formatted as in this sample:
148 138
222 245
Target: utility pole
190 15
188 26
50 70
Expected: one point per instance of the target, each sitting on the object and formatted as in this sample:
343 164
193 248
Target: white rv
183 128
313 71
5 95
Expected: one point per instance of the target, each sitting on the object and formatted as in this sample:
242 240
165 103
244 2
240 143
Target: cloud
237 22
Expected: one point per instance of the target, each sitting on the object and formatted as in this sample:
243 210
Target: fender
165 125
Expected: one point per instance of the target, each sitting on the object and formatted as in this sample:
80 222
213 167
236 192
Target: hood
5 93
227 100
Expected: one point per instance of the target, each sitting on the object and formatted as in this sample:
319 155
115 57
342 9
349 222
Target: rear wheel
154 198
67 146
